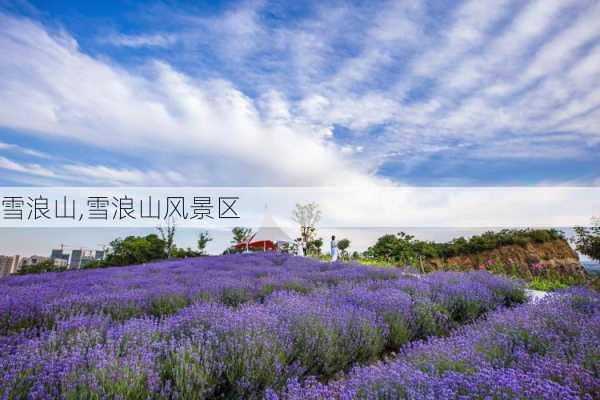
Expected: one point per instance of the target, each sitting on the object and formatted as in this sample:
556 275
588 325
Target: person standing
301 247
334 249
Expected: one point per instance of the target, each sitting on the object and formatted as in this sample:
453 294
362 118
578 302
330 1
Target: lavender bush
547 350
221 327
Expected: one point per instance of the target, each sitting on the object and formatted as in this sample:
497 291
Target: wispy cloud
93 175
407 82
28 169
209 129
23 150
149 40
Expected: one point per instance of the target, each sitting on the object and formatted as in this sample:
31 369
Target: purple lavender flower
235 326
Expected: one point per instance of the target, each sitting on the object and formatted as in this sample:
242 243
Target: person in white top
334 249
301 248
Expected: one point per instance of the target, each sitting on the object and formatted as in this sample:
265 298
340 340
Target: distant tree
314 246
307 216
136 250
398 248
289 248
404 248
42 266
343 245
241 234
93 264
203 239
184 253
587 240
167 234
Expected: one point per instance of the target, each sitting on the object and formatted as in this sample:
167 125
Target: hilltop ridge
554 258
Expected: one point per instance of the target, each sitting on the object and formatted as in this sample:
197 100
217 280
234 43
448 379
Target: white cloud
501 79
84 174
29 169
100 174
153 40
24 150
207 126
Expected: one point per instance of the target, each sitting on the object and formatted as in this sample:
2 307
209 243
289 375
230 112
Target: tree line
400 248
403 248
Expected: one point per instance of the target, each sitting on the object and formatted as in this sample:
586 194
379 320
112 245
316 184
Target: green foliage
136 250
400 332
167 304
93 264
546 285
314 246
235 296
431 319
343 245
192 378
203 239
324 349
184 253
289 248
42 266
399 248
405 249
595 284
587 240
241 234
167 234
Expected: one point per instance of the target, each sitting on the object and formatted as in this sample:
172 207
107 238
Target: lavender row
547 350
160 289
210 350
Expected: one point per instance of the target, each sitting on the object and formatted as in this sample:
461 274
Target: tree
343 245
203 239
136 250
587 240
307 216
42 266
397 248
241 234
167 234
184 253
93 264
314 246
289 248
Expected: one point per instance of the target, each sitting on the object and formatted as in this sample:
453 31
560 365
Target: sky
259 93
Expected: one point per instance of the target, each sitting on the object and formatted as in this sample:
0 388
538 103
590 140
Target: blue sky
259 93
314 93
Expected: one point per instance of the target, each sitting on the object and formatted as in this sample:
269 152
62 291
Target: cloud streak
135 41
163 113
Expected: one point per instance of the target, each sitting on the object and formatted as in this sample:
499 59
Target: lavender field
272 326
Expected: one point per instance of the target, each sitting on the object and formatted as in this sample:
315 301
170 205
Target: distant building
33 260
9 265
59 257
60 262
75 261
99 255
80 257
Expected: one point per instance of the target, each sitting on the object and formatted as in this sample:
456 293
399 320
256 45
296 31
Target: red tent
266 237
257 245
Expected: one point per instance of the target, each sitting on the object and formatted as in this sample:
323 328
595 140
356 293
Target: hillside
554 258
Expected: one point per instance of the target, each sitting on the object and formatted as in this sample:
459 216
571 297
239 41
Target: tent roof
269 230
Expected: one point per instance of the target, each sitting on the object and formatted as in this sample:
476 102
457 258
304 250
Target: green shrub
166 305
405 249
